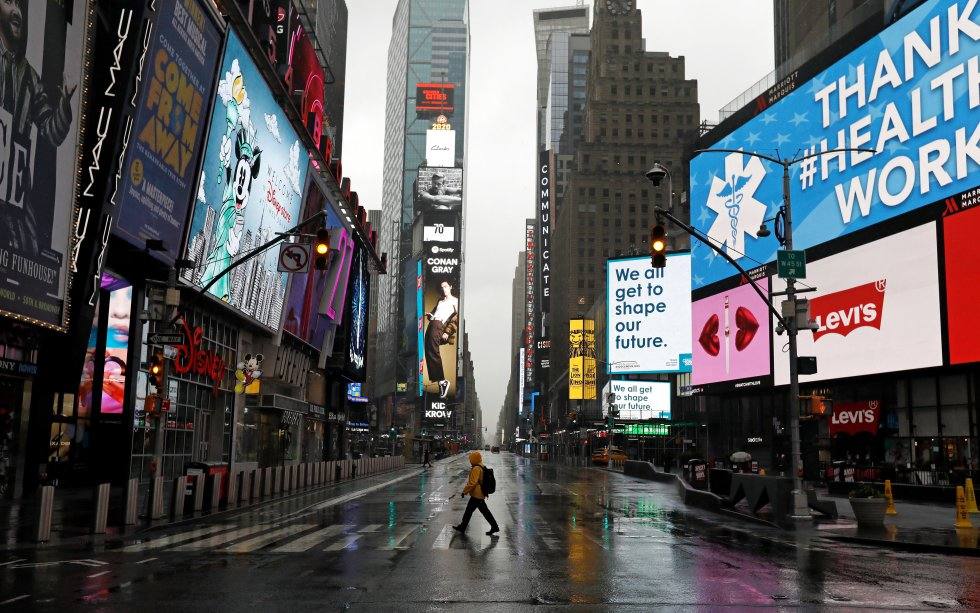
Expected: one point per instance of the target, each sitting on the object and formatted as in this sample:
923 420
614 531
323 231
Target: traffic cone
962 516
890 509
971 498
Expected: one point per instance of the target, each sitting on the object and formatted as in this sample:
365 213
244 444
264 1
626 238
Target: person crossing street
478 490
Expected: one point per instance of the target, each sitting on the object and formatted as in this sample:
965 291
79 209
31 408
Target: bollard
198 493
246 489
101 508
353 468
44 513
231 500
178 497
890 509
214 487
287 478
971 498
962 516
280 475
267 482
156 498
132 497
337 473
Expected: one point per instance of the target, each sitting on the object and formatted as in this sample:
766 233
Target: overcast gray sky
728 46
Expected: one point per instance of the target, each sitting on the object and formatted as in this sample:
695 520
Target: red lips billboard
854 417
731 336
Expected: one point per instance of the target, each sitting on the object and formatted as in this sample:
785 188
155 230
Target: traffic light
321 249
658 246
156 369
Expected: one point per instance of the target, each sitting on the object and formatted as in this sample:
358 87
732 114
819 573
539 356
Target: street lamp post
801 508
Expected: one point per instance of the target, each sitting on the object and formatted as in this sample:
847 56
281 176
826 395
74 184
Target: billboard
648 315
909 93
440 147
546 206
961 227
855 417
39 153
638 400
581 359
434 97
168 130
876 308
439 189
250 189
439 318
529 304
730 337
360 284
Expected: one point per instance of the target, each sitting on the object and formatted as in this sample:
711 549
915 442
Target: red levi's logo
849 309
854 417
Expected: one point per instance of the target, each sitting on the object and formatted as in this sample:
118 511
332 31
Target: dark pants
433 350
474 504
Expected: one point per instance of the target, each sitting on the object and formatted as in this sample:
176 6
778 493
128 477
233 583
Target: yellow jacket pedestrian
476 476
474 488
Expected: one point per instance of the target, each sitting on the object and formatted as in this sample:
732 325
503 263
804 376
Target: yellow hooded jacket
476 476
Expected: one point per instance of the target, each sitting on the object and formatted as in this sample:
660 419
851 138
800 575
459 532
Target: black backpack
488 483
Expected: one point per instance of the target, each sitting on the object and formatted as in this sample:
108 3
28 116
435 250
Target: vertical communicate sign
581 359
546 198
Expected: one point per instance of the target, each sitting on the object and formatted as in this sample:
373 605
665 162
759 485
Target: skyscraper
639 109
429 45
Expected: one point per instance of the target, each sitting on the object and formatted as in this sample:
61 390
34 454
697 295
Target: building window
629 118
605 192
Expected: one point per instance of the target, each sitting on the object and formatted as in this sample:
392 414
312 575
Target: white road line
105 572
15 599
348 497
175 538
13 561
445 538
223 538
395 540
265 539
146 560
370 528
311 540
344 543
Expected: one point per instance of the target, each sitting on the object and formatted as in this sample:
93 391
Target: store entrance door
202 431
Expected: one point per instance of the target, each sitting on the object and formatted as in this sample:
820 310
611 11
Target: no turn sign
294 257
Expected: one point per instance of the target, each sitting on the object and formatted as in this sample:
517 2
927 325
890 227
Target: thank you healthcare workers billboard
911 94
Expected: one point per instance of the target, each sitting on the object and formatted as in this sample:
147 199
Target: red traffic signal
658 246
156 370
321 249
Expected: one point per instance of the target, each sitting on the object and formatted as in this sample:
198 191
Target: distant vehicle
495 449
617 455
486 447
603 456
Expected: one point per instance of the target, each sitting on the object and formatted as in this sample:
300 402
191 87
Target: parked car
495 449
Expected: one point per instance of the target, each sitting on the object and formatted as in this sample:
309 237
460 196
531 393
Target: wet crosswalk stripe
370 528
311 540
263 540
394 541
175 538
344 543
445 538
221 539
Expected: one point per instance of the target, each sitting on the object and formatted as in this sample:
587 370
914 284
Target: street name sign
791 264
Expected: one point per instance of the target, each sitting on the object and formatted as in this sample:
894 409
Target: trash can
205 469
697 474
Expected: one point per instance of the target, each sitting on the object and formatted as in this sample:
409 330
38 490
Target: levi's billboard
876 309
854 417
911 94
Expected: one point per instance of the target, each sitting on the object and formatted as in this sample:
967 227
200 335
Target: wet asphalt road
572 539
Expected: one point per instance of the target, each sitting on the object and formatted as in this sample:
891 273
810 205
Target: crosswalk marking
444 539
309 541
344 543
175 538
221 539
370 528
263 540
395 540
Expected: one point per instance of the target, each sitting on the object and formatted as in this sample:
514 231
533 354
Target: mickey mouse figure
248 374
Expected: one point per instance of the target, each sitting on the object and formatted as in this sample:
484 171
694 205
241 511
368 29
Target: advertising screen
250 189
581 359
909 93
730 336
876 308
440 147
169 127
529 303
649 315
439 318
357 301
39 140
960 232
434 97
439 189
638 400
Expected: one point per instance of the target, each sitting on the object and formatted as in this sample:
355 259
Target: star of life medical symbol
733 198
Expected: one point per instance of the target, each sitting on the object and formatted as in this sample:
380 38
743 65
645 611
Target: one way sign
165 339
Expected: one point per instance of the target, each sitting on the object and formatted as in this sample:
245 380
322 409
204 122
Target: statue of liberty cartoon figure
238 173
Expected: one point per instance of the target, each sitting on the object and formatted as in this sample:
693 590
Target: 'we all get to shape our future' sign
649 315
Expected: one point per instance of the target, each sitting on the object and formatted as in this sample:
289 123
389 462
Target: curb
905 545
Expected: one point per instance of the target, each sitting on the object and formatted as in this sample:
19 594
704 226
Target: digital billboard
250 189
546 207
730 336
439 189
876 309
440 147
909 93
529 304
434 97
581 359
961 228
169 127
39 152
357 304
648 319
638 400
439 318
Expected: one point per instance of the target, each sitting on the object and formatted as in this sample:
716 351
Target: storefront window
312 440
247 436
